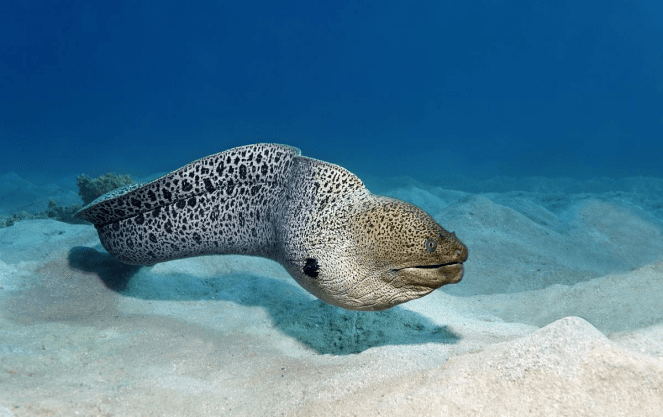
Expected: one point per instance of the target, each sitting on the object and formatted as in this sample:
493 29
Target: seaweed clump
91 188
54 211
21 215
88 189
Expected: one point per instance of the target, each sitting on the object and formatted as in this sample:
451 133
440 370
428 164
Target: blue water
424 89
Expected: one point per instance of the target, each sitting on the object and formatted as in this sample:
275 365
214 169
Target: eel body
345 245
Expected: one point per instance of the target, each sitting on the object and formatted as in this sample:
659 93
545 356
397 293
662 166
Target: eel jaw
431 276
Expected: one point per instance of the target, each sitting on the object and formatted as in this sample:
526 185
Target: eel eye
431 245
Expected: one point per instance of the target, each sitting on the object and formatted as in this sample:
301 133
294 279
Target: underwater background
531 129
423 88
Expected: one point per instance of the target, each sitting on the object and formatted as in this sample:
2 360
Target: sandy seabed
560 313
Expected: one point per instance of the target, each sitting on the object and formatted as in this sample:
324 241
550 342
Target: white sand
560 313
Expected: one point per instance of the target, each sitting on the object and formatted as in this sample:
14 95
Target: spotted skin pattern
346 246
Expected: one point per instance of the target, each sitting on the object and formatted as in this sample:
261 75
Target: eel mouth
431 276
437 266
428 266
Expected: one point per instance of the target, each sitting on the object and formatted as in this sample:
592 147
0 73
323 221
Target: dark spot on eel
312 269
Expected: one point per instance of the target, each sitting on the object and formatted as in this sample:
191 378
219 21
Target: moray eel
343 244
